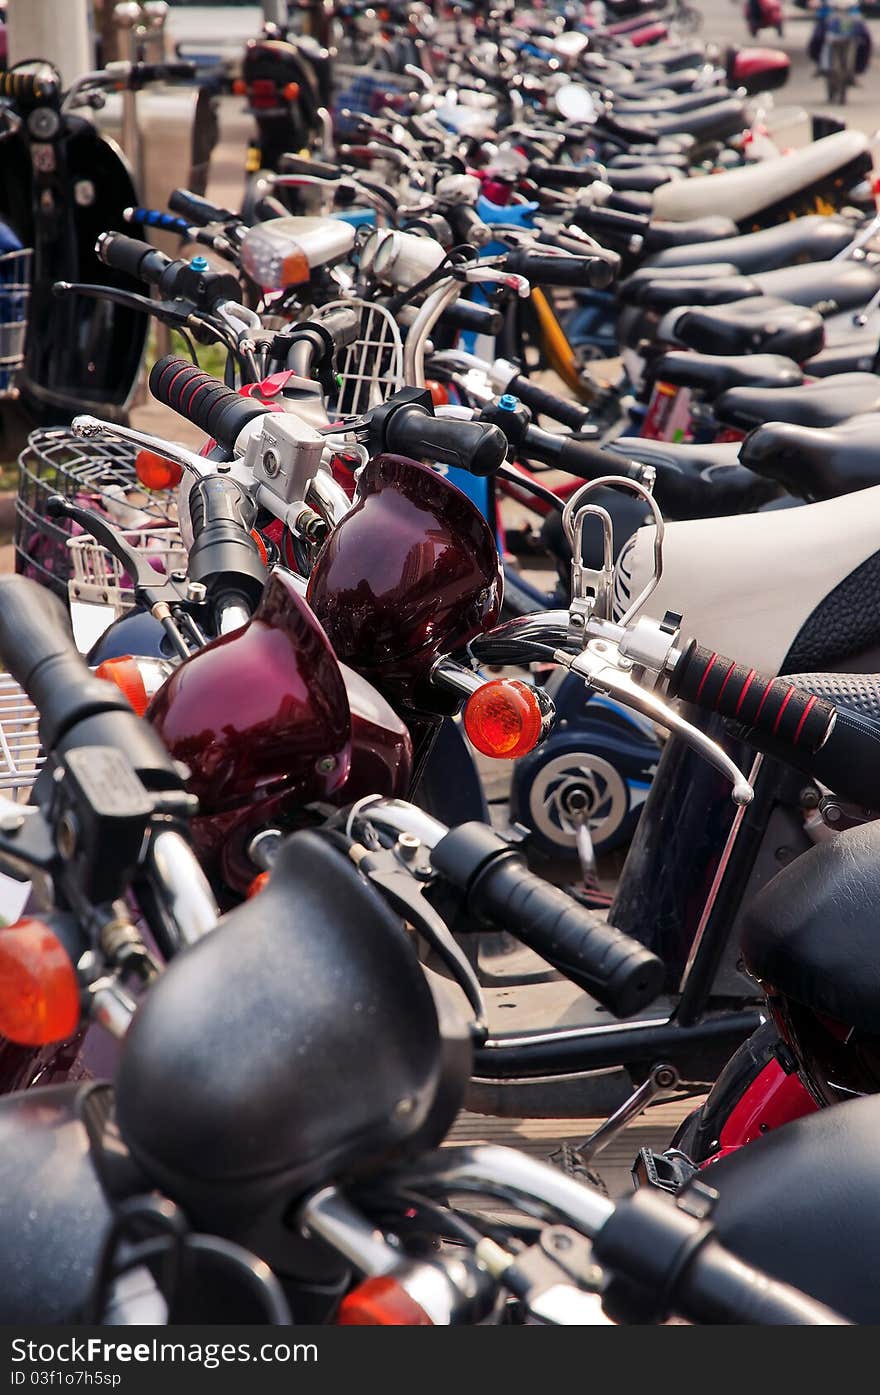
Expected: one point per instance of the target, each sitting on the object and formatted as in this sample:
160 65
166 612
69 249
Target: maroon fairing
260 712
412 572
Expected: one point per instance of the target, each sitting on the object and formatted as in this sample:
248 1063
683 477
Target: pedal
668 1172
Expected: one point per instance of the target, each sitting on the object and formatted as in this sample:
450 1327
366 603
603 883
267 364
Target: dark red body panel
774 1098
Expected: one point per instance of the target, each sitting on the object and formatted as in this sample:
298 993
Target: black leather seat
632 285
660 233
801 1203
705 481
716 121
670 159
714 374
811 239
855 355
664 294
760 324
829 286
811 932
817 463
826 403
626 107
641 180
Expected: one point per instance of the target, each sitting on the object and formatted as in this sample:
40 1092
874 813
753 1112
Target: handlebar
621 973
160 72
224 556
564 176
547 404
208 404
558 269
199 211
75 707
582 458
405 425
773 706
200 285
27 88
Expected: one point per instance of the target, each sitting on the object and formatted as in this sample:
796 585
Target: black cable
540 491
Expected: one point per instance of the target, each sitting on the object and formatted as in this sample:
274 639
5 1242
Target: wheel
602 766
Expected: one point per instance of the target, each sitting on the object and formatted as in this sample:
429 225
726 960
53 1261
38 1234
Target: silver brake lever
90 427
601 673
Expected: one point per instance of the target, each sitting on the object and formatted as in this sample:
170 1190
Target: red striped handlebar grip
771 705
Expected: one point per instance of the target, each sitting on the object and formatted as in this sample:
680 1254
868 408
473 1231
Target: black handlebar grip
619 972
198 211
160 72
547 269
582 458
467 225
564 176
476 446
208 404
612 220
131 255
319 169
548 404
770 705
38 649
672 1262
224 555
469 315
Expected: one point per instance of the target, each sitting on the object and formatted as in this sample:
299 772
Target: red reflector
39 993
504 718
381 1302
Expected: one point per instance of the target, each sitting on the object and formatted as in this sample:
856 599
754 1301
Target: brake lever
159 595
601 672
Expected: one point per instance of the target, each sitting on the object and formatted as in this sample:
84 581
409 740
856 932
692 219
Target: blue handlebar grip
155 218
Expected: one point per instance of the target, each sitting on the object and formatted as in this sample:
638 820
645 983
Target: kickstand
662 1082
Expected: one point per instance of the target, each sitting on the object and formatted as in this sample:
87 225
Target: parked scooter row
332 623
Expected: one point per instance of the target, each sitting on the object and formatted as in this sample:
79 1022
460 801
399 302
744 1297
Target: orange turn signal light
156 472
291 91
124 672
295 268
381 1302
256 886
504 718
439 392
239 87
39 993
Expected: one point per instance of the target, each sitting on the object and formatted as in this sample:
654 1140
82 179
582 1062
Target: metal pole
128 17
58 30
275 12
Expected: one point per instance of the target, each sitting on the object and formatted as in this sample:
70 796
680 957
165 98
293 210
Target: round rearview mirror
575 102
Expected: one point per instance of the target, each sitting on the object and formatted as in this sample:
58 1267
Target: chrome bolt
408 845
196 592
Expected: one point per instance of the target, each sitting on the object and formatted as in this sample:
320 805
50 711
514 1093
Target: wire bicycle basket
370 369
21 755
98 474
15 294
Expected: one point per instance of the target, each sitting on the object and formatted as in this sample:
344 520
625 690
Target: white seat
745 585
740 193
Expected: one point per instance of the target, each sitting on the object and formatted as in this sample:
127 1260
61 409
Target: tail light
381 1302
156 472
39 992
138 679
506 718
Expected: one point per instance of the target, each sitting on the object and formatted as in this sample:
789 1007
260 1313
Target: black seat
714 374
826 403
801 1203
760 324
812 239
716 121
661 233
665 294
817 462
855 355
626 107
641 180
698 481
829 286
811 932
670 159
